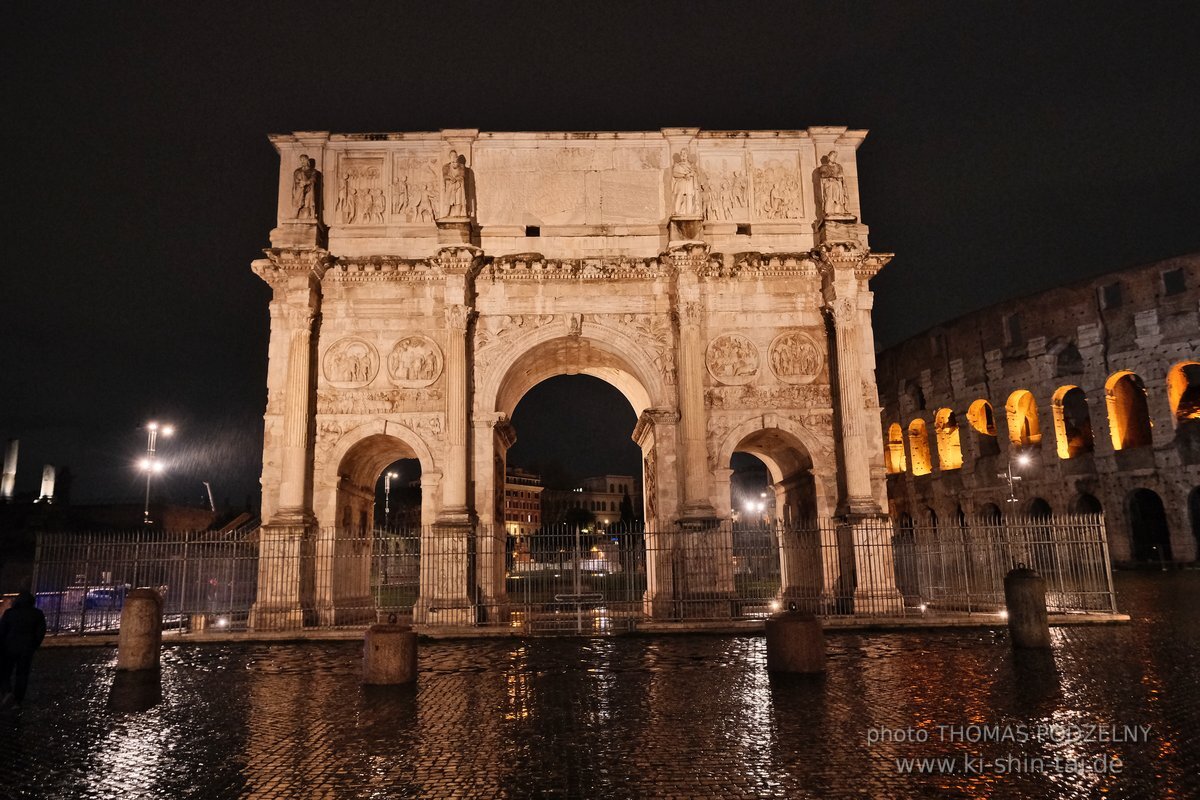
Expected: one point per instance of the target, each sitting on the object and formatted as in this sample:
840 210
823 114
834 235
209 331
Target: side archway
1072 422
1148 527
895 458
949 444
918 447
1128 411
1023 427
982 420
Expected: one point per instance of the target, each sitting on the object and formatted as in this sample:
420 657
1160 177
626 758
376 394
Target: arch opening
1072 422
1088 504
1023 428
895 459
1128 411
982 420
790 496
362 487
1148 528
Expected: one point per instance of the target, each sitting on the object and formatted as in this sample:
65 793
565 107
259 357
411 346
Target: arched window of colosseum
983 422
918 447
1023 429
1183 392
896 462
1072 422
945 426
1128 413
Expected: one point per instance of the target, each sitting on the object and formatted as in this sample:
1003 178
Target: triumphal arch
424 282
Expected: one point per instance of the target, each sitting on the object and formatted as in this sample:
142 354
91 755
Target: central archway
540 355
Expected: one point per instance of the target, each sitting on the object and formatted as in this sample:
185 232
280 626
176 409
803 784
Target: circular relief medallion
794 357
351 362
732 359
415 361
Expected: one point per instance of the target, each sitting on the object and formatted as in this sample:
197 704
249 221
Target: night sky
1013 147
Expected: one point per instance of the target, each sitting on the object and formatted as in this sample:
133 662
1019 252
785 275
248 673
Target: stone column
697 480
295 278
454 483
858 499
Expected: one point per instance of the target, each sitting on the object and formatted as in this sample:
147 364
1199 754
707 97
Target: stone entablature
423 283
1143 321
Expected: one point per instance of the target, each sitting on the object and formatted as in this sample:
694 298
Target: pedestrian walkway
632 717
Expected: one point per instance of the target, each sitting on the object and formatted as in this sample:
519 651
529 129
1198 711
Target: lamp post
1023 460
387 497
150 464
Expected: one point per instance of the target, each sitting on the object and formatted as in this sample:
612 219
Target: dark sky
1012 147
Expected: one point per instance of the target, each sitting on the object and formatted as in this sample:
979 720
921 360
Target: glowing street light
150 464
387 496
1023 460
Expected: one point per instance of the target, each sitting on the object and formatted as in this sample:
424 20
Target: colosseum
1084 398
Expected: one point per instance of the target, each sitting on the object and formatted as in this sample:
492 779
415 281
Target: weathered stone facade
1097 383
424 282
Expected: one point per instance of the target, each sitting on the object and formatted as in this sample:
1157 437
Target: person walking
22 629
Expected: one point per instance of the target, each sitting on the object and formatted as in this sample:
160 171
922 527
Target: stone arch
783 449
1128 410
354 465
982 420
949 443
1022 412
1039 507
1183 392
1088 504
989 512
1148 530
546 352
1072 422
918 447
894 456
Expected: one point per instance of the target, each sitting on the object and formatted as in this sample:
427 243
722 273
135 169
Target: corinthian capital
457 317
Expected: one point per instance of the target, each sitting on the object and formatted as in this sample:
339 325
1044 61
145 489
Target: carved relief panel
360 191
414 362
732 359
351 362
794 357
415 186
725 187
777 193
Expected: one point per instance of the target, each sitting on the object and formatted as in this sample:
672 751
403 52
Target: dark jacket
23 626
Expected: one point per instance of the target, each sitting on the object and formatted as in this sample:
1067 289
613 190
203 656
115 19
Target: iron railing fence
560 579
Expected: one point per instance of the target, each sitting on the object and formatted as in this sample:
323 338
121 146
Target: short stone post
389 655
140 639
795 643
1025 599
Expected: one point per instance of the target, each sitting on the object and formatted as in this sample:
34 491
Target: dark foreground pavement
686 717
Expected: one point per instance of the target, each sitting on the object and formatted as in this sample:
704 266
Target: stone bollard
389 655
1025 598
140 638
795 643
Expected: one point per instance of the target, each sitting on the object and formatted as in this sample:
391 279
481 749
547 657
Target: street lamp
387 496
150 464
1023 460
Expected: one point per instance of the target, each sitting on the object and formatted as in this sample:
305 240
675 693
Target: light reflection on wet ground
692 716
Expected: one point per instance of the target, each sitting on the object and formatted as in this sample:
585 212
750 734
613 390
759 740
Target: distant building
601 495
1088 393
522 502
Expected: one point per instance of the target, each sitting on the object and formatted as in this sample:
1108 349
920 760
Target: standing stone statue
683 187
833 187
454 186
304 188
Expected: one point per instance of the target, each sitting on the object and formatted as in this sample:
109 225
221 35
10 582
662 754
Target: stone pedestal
1025 599
875 590
277 606
447 581
389 655
140 639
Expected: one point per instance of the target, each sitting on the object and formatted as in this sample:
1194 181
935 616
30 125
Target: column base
872 601
445 611
347 611
265 617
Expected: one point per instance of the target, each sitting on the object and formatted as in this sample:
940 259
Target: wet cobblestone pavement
670 717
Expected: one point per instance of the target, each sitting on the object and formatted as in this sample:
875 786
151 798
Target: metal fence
567 579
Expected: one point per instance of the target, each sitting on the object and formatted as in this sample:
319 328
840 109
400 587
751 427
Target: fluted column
696 501
855 455
454 481
297 413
